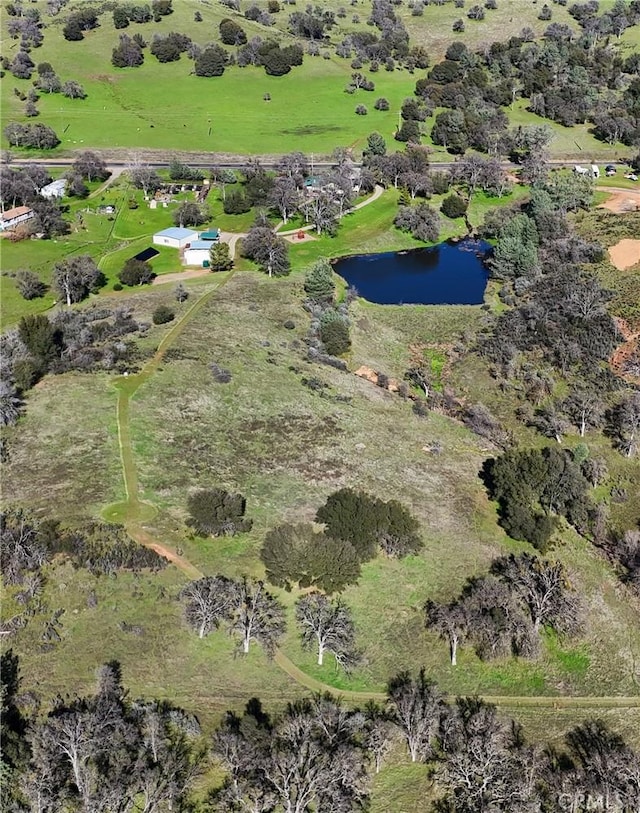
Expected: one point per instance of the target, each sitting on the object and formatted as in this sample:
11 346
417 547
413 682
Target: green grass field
165 107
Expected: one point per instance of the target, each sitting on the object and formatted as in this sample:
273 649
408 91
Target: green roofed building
212 234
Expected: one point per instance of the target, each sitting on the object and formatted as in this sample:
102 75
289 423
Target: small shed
175 237
212 235
13 217
198 253
55 189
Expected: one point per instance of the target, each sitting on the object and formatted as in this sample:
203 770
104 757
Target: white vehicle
631 177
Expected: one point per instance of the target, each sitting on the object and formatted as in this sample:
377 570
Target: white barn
55 189
198 253
175 237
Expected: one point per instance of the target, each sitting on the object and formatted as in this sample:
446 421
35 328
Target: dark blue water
447 274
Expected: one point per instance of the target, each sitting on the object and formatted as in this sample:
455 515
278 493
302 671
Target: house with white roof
175 237
198 253
55 189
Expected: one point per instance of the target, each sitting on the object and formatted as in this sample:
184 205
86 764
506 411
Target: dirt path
133 512
620 200
178 276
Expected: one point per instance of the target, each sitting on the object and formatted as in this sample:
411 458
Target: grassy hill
166 107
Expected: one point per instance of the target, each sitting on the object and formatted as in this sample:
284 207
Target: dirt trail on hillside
625 254
625 351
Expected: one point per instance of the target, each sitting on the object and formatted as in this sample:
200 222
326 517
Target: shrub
215 512
454 206
334 333
162 314
30 285
136 272
381 104
361 110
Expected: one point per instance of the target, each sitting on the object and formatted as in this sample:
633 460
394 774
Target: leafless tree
450 622
208 602
328 626
415 706
257 616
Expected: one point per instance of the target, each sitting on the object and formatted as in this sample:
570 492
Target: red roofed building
12 217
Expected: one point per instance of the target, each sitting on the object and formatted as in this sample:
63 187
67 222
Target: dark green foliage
296 554
15 751
318 282
136 272
235 203
179 171
41 338
454 206
231 33
367 522
215 512
220 258
170 47
162 314
409 132
211 61
516 254
532 487
334 333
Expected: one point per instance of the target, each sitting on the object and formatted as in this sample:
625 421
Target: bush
117 286
215 512
296 554
454 206
361 110
162 314
381 104
30 285
334 333
136 272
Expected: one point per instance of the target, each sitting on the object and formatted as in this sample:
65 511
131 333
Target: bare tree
208 602
624 423
284 197
545 589
76 277
450 622
378 733
257 616
415 706
144 177
323 210
329 626
584 408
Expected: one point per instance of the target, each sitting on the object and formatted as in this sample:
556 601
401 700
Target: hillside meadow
166 107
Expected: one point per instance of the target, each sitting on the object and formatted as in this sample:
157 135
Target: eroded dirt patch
625 254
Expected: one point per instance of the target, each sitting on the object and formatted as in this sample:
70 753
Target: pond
451 273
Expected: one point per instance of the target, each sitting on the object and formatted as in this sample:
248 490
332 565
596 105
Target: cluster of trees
31 136
71 340
107 750
125 13
243 606
81 20
566 77
505 612
264 247
535 486
136 272
356 524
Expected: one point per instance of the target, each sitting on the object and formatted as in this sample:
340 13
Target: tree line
108 751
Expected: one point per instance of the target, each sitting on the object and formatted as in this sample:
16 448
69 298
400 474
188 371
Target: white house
198 253
55 189
175 237
15 216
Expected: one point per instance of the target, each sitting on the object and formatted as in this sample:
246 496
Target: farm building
13 217
175 237
213 235
55 189
198 253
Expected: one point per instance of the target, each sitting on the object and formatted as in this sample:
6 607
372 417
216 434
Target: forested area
109 751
